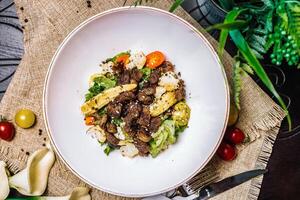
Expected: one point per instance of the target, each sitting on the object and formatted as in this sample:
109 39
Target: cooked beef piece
111 128
130 129
111 139
132 81
128 119
144 98
149 90
136 75
143 135
154 77
180 94
124 78
118 68
143 147
133 112
103 120
167 67
125 96
114 109
154 124
146 95
145 117
146 84
134 109
169 112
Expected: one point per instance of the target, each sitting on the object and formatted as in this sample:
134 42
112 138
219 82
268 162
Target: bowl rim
49 70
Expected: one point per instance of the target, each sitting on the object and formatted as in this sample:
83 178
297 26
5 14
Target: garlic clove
32 181
80 193
4 186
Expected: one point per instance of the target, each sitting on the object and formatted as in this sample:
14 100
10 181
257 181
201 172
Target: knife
227 183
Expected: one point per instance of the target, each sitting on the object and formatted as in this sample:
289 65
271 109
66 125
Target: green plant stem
226 4
175 5
228 25
231 16
243 47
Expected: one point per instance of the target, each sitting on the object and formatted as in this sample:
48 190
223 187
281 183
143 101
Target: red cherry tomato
123 58
89 120
155 59
235 136
7 130
226 151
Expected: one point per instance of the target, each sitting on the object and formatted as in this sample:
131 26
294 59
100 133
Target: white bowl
138 29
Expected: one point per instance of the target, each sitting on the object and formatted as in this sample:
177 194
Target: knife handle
204 193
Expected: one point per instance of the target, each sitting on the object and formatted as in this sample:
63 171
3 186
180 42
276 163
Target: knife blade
227 183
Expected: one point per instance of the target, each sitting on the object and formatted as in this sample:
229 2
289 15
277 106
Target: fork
205 177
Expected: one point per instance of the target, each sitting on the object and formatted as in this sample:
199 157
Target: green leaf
244 48
175 5
237 82
257 54
228 25
268 3
117 121
230 17
269 22
102 111
226 4
260 31
108 149
138 2
247 68
257 47
100 84
293 13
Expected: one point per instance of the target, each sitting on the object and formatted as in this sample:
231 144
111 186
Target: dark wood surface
282 182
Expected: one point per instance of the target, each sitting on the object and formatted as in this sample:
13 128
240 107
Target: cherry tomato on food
235 136
123 58
226 151
155 59
25 118
89 120
7 130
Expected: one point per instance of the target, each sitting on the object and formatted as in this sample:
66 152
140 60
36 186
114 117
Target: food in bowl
136 104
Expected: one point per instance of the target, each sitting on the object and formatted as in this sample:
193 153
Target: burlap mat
46 23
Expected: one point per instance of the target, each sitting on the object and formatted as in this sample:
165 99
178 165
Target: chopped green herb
146 73
102 111
100 84
88 96
108 149
105 82
116 121
101 143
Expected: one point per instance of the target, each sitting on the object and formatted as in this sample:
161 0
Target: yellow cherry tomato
25 118
233 115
